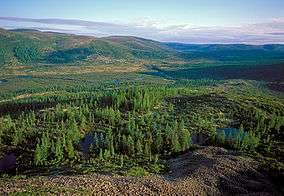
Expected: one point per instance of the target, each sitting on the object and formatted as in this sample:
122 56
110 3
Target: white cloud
262 33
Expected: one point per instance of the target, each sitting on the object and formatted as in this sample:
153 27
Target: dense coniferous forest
126 105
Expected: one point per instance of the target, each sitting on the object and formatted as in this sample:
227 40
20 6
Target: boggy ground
205 171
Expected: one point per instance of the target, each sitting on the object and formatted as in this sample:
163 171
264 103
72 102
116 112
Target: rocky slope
206 171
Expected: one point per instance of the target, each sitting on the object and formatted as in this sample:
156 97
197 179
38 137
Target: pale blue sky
195 12
188 21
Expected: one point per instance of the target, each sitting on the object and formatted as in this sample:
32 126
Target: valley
116 115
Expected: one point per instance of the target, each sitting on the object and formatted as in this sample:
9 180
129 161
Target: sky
188 21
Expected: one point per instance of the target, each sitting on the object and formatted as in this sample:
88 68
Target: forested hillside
127 106
32 47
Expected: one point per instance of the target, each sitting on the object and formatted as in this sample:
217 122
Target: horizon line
253 34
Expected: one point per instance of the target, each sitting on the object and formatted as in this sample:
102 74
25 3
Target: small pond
232 133
8 162
25 77
3 81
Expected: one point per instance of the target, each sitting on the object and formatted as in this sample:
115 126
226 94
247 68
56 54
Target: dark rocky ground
205 171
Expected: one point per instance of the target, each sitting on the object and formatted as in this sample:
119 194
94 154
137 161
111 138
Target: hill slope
209 170
25 46
227 52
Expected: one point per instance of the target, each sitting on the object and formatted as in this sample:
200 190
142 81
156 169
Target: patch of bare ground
118 67
206 171
23 96
91 69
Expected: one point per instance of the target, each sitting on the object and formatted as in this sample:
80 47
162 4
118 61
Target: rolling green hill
228 52
29 47
26 46
72 105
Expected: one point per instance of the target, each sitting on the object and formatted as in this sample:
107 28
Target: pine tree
185 139
58 150
124 144
39 157
108 138
101 157
70 149
106 154
121 161
175 143
168 136
237 143
139 148
18 136
245 142
158 142
42 151
130 146
131 126
147 149
111 147
241 129
83 121
222 137
96 141
52 148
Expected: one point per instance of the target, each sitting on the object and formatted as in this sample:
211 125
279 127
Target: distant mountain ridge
32 46
29 46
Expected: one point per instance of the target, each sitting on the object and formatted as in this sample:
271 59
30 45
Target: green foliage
59 153
133 123
69 55
42 150
238 139
137 171
222 137
26 53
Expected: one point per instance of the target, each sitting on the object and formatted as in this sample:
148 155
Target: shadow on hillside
186 165
221 170
247 182
268 73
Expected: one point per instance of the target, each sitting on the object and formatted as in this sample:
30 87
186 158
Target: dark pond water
117 81
89 140
8 162
3 81
232 133
86 143
25 77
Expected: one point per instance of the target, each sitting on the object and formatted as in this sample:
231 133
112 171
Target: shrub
137 171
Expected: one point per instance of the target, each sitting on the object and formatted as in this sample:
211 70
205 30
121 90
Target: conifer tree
185 139
39 157
175 142
124 144
70 149
222 137
58 150
147 149
42 150
130 146
106 154
18 136
83 121
111 147
101 156
139 148
158 141
121 160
